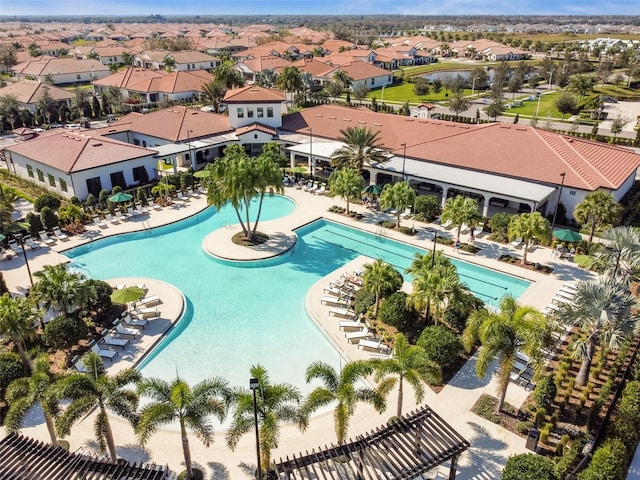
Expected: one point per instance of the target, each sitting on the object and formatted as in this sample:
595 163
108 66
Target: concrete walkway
491 445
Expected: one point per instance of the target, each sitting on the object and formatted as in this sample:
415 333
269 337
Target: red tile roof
511 150
256 126
254 94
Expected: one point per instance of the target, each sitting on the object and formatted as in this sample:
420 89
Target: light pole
555 210
473 85
433 254
550 72
193 163
26 260
404 159
382 100
254 384
538 107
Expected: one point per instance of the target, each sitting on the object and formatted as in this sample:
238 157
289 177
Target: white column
445 190
485 206
292 159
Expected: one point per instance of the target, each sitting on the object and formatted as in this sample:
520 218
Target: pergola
25 458
405 449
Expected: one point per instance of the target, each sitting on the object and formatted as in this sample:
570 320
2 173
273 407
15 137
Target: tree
96 389
361 148
606 463
46 200
566 103
460 210
237 179
127 58
458 103
398 196
228 76
169 63
189 406
34 50
421 87
598 209
46 105
266 78
343 79
213 94
268 176
622 260
529 466
529 227
603 312
379 277
342 389
428 206
514 84
276 403
347 183
581 85
617 124
502 334
441 345
80 103
10 109
112 99
17 317
62 289
289 79
408 362
26 392
7 57
495 108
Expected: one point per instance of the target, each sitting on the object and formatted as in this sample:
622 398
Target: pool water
240 315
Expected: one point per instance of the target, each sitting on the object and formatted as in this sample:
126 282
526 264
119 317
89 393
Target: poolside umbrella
120 197
127 295
373 189
2 237
567 235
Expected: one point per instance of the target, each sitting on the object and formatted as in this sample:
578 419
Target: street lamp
473 85
26 260
555 210
550 72
382 100
404 159
254 384
538 107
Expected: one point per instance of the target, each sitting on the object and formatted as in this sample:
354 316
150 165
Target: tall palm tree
598 209
62 289
623 258
379 277
361 148
514 328
341 388
276 403
346 182
289 80
96 389
399 196
213 94
189 406
460 210
408 362
529 227
26 392
17 317
228 76
268 175
603 312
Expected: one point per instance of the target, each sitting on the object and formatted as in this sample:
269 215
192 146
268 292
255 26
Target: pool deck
491 445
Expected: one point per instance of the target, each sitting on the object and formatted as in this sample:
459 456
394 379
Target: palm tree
213 94
379 277
289 80
346 182
38 389
17 317
602 311
514 328
529 227
266 78
62 289
340 387
189 406
398 196
228 76
598 209
343 79
96 389
268 176
622 259
276 403
361 148
460 210
408 362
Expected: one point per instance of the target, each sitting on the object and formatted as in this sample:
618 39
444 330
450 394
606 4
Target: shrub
528 466
142 197
46 200
606 464
103 290
441 345
393 311
541 413
545 392
570 457
486 408
48 218
363 300
524 427
91 200
627 421
35 225
456 315
64 332
499 225
10 368
72 214
428 207
103 198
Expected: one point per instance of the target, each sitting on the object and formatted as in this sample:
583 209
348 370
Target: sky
319 7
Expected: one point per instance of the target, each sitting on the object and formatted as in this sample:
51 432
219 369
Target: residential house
183 61
362 74
28 92
61 71
395 57
111 55
503 53
251 67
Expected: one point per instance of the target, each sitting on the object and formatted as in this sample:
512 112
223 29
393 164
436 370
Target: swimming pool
238 316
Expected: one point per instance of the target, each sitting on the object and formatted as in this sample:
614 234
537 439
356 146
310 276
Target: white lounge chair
477 231
100 223
194 193
17 249
364 333
147 312
135 322
321 190
182 196
111 219
45 238
122 330
78 364
30 243
559 299
311 186
447 224
516 243
407 214
373 344
564 294
149 301
132 212
568 291
329 300
342 312
352 323
112 341
102 352
59 234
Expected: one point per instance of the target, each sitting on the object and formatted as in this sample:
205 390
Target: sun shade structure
120 197
373 189
411 446
567 235
23 457
127 294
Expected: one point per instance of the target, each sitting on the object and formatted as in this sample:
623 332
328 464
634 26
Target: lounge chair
30 243
59 234
182 196
78 364
147 312
373 344
342 312
194 193
564 294
112 219
447 224
560 299
135 322
364 333
100 223
15 248
45 238
477 231
126 331
102 352
132 212
342 293
321 190
516 243
352 323
112 341
329 300
150 301
311 186
407 214
568 290
123 216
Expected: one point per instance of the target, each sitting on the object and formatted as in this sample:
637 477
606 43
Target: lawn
404 91
436 67
528 109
